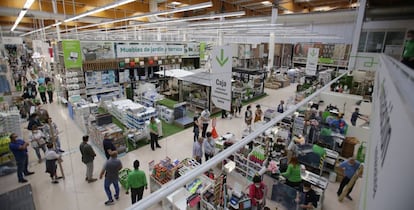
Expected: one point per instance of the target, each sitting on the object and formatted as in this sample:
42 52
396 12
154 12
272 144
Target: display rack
74 83
298 125
5 154
97 134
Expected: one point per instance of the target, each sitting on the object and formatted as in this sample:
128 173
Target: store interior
313 76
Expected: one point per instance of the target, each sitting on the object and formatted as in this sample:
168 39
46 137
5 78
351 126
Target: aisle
74 193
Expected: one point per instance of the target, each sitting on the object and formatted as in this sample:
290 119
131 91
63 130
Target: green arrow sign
222 60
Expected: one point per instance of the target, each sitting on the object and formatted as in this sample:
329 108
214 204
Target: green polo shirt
42 88
153 127
293 173
136 179
409 49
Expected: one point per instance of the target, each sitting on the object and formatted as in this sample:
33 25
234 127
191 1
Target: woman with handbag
37 140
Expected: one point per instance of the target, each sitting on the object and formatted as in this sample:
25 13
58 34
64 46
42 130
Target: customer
42 91
34 120
248 115
292 173
205 120
208 146
51 128
258 114
111 169
257 193
349 167
88 155
309 199
356 115
108 146
153 128
136 181
196 128
408 54
51 158
238 106
37 139
50 88
19 149
281 107
198 149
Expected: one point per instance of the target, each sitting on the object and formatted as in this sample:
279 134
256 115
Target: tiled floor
73 193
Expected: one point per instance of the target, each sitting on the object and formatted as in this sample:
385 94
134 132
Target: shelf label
312 61
221 77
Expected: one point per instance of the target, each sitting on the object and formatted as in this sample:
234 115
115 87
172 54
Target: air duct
153 7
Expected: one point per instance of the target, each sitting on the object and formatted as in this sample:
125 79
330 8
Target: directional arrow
313 53
222 60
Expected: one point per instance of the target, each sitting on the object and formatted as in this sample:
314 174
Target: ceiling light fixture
175 3
99 9
165 12
201 17
22 13
267 3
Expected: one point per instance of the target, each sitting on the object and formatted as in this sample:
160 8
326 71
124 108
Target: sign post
312 61
222 59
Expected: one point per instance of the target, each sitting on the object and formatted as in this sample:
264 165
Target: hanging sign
72 53
312 61
221 64
126 50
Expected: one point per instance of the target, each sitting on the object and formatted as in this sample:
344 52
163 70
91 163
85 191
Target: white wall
389 164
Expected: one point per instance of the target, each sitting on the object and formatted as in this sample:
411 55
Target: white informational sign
12 40
312 61
41 49
221 63
389 162
127 50
97 50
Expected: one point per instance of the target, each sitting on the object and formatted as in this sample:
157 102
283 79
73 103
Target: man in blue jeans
349 168
111 169
19 149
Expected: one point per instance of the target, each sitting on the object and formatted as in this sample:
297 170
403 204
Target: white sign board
389 163
312 61
12 40
221 63
127 50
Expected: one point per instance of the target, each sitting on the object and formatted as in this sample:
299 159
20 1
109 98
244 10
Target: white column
271 54
56 21
159 34
220 34
357 33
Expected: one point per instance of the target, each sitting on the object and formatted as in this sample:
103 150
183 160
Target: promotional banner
41 49
221 63
191 49
202 50
97 50
312 61
72 53
12 40
126 50
389 165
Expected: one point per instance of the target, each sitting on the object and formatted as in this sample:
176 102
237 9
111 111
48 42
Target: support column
55 11
357 33
271 55
220 35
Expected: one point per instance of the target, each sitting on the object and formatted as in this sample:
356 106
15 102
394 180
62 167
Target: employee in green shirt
136 181
42 92
292 173
408 55
50 88
153 128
